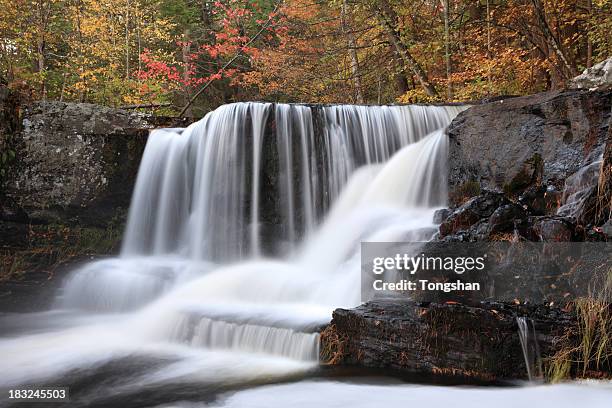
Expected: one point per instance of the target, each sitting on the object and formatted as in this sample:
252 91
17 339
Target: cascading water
530 347
578 188
205 192
213 203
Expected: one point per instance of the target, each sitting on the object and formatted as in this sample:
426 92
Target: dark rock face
505 217
444 339
476 209
9 119
512 144
553 229
541 154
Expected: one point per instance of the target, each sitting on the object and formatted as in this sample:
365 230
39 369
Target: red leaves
155 69
230 38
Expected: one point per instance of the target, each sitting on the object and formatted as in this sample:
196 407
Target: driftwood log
454 340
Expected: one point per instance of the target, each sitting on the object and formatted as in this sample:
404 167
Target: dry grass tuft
587 350
332 346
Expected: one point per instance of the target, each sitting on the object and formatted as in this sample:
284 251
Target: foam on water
337 394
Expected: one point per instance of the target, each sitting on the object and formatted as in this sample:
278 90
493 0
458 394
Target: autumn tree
189 56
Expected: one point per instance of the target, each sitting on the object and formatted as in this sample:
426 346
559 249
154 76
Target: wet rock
505 218
480 342
534 200
553 229
10 211
599 75
603 202
512 145
441 215
471 212
14 234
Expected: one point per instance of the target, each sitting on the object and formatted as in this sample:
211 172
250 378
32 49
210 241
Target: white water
337 394
193 287
529 345
578 187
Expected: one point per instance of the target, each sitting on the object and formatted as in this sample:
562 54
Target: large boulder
65 183
515 144
477 342
75 163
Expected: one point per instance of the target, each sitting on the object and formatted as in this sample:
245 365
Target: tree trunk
186 51
447 54
127 39
589 61
552 41
40 64
400 76
353 54
43 18
388 19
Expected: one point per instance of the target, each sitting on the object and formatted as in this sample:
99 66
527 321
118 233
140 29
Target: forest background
186 57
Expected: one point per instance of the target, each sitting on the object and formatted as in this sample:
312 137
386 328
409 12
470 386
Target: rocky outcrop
513 144
476 209
444 339
76 163
491 216
66 187
599 75
539 163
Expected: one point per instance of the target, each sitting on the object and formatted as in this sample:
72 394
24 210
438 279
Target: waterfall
244 235
254 172
530 347
223 335
191 195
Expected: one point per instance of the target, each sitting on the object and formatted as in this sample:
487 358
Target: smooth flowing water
529 345
243 236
